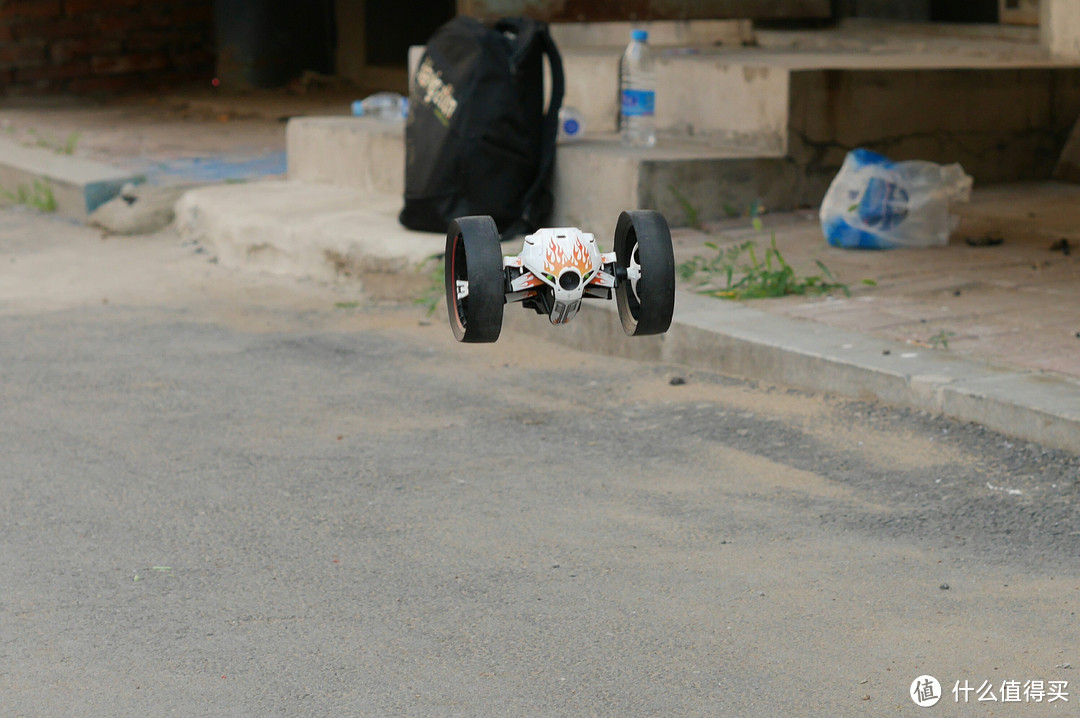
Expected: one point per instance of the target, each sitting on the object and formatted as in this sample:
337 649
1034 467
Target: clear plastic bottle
637 83
385 106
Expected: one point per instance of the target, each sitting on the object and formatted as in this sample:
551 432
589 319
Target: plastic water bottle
571 124
385 106
637 81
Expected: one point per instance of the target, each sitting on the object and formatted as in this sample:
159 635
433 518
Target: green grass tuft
745 276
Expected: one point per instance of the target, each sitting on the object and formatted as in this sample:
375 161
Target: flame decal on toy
557 260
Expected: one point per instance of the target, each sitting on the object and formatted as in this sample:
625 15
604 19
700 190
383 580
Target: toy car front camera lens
569 280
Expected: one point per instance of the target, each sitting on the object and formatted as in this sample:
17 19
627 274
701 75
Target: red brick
79 68
157 18
78 7
184 77
117 64
63 50
22 54
29 9
199 14
112 83
55 29
120 25
159 40
192 59
32 90
146 41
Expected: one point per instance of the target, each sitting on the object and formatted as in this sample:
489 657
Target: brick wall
90 46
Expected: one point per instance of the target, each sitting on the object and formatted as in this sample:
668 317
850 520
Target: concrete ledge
360 152
595 178
303 230
720 170
661 33
710 95
78 186
598 178
731 338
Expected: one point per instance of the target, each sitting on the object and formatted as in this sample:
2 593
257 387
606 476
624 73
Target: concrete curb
732 338
322 231
78 186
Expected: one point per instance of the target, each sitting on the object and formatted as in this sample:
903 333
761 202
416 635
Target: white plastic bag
875 203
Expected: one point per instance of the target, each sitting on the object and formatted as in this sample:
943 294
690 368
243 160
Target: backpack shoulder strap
537 201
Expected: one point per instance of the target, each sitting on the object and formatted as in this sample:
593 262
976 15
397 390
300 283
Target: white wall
1059 27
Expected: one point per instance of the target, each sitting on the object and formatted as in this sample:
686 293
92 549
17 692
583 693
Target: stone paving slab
1014 303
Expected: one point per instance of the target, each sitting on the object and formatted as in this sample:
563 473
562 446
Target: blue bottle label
638 103
884 204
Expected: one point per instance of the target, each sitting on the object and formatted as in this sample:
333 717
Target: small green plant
42 197
744 276
71 143
731 211
39 196
941 340
435 290
693 219
346 305
67 147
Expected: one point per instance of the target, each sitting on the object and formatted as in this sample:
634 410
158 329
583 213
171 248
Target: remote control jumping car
556 269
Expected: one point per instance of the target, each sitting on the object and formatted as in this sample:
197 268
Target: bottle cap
639 35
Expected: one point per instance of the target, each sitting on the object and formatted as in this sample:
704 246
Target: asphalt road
234 495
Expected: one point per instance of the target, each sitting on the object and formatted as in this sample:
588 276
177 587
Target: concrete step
304 230
770 123
723 83
662 33
51 181
1004 124
778 101
359 152
595 178
706 94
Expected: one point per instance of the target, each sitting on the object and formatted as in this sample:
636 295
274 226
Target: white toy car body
555 271
570 262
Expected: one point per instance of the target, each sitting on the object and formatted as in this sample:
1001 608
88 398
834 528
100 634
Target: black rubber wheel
474 256
645 307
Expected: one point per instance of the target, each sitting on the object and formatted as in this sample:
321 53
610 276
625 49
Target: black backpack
477 140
